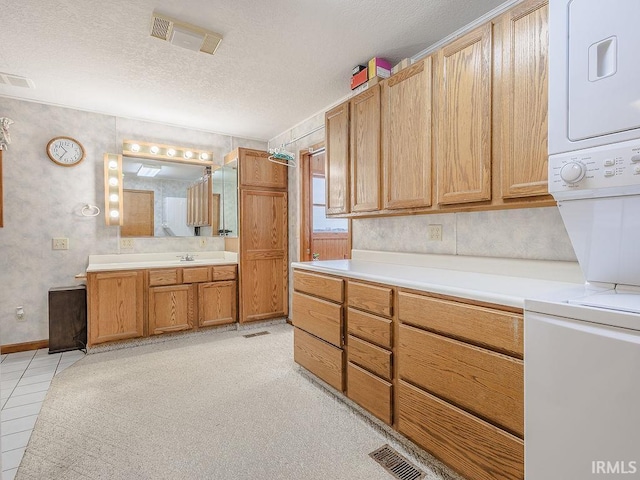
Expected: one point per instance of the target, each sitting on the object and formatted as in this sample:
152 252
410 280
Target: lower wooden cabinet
370 392
318 317
319 357
473 447
170 309
217 303
116 305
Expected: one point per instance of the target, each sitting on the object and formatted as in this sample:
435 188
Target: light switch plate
60 243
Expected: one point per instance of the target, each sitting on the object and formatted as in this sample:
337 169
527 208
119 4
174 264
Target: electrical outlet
20 314
435 233
202 241
126 243
60 243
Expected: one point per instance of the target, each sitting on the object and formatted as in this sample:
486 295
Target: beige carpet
212 406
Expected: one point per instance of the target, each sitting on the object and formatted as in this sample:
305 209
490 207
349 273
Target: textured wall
43 200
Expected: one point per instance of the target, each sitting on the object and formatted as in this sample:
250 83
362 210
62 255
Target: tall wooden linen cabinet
263 237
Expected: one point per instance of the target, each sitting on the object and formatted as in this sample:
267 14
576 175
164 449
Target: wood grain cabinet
217 303
337 160
116 305
521 99
463 118
406 137
460 397
171 309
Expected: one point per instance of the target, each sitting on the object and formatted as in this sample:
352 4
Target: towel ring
90 211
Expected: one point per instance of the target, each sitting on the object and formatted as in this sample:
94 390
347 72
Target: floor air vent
257 334
395 464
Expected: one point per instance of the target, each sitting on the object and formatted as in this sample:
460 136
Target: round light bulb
113 197
113 165
114 213
135 147
113 181
188 154
154 149
171 152
204 156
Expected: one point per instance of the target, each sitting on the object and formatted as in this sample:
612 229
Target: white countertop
137 261
500 281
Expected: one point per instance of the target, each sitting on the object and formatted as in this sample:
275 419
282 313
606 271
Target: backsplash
43 200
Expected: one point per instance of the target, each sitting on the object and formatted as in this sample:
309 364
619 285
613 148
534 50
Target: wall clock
65 151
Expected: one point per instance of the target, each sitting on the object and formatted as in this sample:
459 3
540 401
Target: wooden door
263 255
116 305
521 99
170 309
323 237
257 171
364 136
137 213
337 159
217 303
406 127
463 122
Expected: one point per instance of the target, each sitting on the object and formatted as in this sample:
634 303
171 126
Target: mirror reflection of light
113 165
113 181
113 197
114 213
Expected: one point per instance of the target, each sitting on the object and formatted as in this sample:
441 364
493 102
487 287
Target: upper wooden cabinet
256 170
365 150
520 99
337 159
463 125
406 137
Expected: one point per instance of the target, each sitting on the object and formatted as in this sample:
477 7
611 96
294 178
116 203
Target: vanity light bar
172 153
113 189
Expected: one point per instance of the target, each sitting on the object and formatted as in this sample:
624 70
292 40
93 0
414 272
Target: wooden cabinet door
337 159
217 303
365 150
406 137
116 305
463 123
170 309
520 99
257 171
263 255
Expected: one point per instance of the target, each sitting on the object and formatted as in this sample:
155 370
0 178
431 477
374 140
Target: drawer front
165 276
224 272
319 285
493 329
371 298
476 449
370 357
196 275
370 392
318 317
320 358
369 327
488 384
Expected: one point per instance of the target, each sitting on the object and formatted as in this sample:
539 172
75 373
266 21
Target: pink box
379 67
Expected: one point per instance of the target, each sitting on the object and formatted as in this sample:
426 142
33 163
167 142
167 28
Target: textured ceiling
279 62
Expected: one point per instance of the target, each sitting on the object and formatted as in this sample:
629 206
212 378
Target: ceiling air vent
183 34
16 81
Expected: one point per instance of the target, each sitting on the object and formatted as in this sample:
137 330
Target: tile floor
24 380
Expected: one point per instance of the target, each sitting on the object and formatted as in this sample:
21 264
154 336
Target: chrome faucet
187 257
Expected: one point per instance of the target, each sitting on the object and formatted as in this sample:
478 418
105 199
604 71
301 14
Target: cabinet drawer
369 357
476 449
165 276
319 358
318 317
196 275
488 384
371 298
224 272
369 327
496 330
320 285
370 392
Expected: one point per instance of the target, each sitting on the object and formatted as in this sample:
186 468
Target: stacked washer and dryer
582 346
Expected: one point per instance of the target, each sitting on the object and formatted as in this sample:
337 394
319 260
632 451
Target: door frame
305 202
